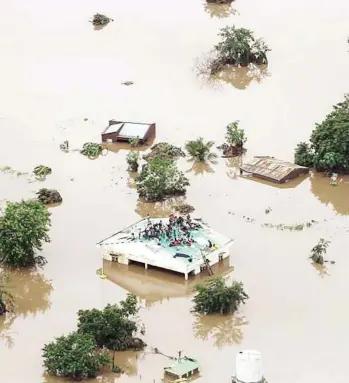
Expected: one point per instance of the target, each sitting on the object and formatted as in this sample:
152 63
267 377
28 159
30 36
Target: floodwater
56 70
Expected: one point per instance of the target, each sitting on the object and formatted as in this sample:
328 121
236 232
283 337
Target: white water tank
249 366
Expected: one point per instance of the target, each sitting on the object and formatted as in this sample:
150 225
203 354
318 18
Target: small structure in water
124 131
183 368
179 244
248 367
271 169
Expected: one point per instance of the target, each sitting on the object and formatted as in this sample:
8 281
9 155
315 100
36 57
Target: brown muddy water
57 70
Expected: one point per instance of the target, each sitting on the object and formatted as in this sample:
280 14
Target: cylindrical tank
249 366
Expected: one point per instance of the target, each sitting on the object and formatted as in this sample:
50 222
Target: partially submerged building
204 248
125 131
272 169
183 368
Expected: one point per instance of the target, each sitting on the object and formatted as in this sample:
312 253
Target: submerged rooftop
183 367
130 245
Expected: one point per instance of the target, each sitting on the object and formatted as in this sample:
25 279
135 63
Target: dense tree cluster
328 149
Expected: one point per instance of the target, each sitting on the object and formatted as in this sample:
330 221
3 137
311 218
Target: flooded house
160 243
125 131
272 169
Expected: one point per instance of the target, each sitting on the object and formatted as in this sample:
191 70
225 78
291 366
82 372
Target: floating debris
100 20
64 146
127 83
267 210
9 170
41 171
297 227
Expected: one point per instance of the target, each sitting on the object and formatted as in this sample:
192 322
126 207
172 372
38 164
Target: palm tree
200 150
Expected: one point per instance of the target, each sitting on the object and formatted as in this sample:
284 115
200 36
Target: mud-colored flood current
56 71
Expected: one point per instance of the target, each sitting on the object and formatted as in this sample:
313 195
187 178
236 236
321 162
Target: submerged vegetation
6 298
74 356
328 149
49 196
42 171
199 150
100 20
215 297
160 178
318 251
132 161
91 149
9 170
164 150
23 229
184 208
235 139
81 354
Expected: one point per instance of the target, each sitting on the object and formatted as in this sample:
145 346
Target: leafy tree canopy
200 150
329 142
235 136
111 327
216 297
238 46
74 356
23 229
160 178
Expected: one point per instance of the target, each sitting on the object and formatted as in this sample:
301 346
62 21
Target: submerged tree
318 251
235 140
160 178
200 150
164 150
74 356
91 149
183 208
112 327
49 196
329 142
23 229
132 161
215 297
239 47
101 20
41 171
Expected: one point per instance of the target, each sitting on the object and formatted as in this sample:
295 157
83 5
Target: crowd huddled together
178 231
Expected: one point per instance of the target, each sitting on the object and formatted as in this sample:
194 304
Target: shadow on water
219 10
201 168
31 292
336 196
233 164
225 330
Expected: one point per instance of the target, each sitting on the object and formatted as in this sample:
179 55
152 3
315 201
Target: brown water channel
56 71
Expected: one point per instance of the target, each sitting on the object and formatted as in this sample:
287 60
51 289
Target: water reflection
321 269
219 10
31 292
242 77
233 164
225 330
131 180
337 196
157 209
201 168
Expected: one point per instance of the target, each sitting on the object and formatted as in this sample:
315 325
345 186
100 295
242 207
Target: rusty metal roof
272 168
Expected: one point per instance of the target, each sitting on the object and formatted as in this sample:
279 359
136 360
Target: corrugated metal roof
271 168
183 367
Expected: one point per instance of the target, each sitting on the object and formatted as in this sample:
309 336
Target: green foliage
160 178
42 171
64 146
6 298
132 161
303 155
74 356
23 229
135 142
216 297
111 327
238 46
48 196
91 149
200 150
235 136
329 141
318 251
164 150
